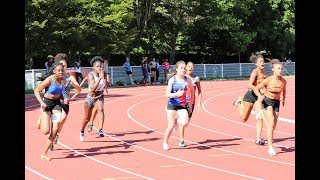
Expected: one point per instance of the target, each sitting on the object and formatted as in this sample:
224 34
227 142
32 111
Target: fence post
204 71
33 77
222 70
240 70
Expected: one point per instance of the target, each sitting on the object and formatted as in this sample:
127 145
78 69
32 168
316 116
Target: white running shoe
165 146
90 126
239 100
81 136
272 152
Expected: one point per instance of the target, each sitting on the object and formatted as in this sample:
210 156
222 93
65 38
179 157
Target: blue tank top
54 88
179 101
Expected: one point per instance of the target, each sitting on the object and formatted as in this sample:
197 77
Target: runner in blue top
51 105
176 92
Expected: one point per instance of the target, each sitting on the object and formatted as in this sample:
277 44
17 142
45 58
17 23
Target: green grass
28 91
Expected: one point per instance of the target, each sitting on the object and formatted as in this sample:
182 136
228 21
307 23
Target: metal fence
204 71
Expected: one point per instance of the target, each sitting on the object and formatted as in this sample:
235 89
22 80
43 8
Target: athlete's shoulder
171 79
283 80
254 72
197 78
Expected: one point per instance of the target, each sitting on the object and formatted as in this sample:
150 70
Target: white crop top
101 83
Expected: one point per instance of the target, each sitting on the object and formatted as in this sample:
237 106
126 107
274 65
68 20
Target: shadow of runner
204 145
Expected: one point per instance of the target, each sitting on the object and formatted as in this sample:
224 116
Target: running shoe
81 136
239 101
56 139
272 152
51 147
90 126
44 157
165 146
101 133
181 144
260 142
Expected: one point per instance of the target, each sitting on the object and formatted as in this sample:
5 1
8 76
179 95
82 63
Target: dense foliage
205 31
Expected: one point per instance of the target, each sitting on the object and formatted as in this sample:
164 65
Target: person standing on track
196 86
97 81
51 105
275 94
249 101
128 67
177 100
71 81
166 68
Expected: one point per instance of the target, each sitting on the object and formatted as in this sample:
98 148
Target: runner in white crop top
97 81
101 84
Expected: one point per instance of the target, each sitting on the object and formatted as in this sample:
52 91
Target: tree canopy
210 31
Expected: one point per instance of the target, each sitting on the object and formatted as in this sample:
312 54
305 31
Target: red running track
219 145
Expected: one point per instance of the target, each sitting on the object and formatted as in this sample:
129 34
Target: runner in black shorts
65 95
196 86
275 94
249 101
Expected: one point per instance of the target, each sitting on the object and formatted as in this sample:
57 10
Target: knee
55 129
63 119
46 131
271 124
183 122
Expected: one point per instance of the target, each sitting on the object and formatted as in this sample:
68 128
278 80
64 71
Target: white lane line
101 162
129 115
37 173
203 107
186 161
82 101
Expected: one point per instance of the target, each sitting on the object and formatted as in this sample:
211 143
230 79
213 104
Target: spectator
288 61
77 68
106 66
49 62
128 69
157 71
145 71
152 66
166 67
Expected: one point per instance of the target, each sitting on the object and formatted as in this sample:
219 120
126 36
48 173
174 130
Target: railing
205 71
